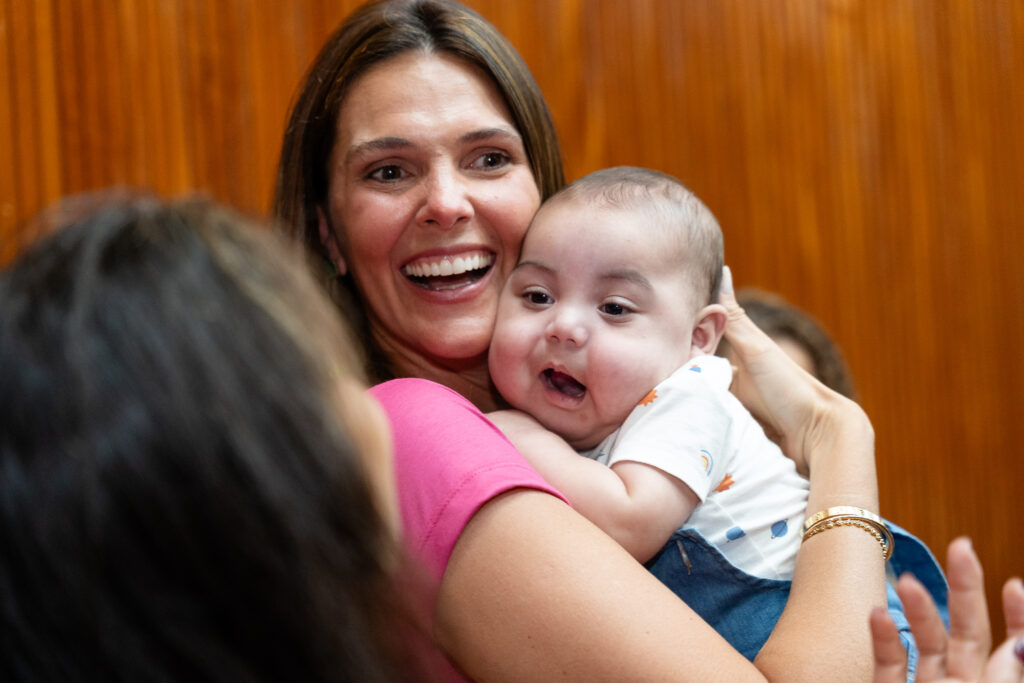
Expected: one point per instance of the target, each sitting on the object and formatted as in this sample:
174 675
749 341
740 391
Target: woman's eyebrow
395 143
377 145
490 134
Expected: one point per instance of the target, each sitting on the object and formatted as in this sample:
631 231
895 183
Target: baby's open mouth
563 383
449 273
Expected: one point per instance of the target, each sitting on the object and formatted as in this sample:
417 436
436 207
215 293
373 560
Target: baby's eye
614 309
491 160
387 174
536 298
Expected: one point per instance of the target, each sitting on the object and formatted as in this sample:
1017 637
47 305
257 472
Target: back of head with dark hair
181 496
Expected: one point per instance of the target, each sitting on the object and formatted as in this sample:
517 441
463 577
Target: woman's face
430 195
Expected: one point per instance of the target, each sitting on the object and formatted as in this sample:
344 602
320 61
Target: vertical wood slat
30 137
865 160
9 162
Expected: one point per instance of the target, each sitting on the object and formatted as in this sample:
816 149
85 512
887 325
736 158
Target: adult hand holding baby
796 410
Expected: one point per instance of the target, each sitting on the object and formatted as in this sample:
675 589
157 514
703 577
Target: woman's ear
707 330
329 240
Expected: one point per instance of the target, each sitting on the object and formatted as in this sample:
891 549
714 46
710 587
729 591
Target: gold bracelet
851 516
841 511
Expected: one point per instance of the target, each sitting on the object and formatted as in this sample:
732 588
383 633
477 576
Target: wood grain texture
866 161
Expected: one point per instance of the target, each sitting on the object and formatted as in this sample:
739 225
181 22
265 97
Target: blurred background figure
800 336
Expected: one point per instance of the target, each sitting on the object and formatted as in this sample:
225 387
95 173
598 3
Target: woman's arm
533 591
839 575
638 505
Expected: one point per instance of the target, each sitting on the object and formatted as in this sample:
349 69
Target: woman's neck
468 376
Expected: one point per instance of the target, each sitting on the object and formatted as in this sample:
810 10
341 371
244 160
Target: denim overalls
745 608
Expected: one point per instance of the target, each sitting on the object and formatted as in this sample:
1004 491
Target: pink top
449 461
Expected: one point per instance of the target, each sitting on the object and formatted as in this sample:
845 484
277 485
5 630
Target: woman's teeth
448 266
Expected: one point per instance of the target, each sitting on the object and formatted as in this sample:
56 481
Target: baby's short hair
677 207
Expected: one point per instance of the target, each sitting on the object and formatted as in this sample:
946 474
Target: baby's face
597 313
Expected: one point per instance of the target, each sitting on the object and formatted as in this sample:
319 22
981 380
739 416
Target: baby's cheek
505 360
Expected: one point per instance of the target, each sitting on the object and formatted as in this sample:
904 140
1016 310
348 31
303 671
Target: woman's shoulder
450 460
404 388
413 403
438 428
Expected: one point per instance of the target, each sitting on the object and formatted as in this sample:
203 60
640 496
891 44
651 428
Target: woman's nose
567 327
446 201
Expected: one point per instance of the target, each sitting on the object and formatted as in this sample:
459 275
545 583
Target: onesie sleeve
682 427
449 461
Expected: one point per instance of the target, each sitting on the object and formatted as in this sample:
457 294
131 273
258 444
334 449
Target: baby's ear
707 330
330 241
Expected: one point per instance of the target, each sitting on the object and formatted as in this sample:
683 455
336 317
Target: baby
605 334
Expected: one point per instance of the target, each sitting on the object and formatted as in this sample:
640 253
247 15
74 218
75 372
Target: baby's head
614 290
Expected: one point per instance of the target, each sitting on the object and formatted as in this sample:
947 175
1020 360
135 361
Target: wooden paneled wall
866 160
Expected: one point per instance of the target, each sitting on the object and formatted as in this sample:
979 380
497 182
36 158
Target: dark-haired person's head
193 484
801 336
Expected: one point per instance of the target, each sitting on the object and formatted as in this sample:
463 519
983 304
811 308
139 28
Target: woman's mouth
449 272
563 383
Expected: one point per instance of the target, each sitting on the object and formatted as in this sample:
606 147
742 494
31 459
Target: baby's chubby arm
638 505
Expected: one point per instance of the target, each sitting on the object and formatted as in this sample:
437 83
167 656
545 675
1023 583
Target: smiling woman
419 142
427 172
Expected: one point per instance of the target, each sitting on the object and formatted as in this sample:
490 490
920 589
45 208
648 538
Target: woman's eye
491 160
387 174
614 309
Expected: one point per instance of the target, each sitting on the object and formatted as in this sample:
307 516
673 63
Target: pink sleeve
449 461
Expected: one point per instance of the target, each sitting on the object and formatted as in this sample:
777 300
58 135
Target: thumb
726 292
746 338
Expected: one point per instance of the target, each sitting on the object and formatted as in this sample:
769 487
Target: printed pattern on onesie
691 427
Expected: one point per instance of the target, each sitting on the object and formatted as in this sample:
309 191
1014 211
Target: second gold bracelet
855 517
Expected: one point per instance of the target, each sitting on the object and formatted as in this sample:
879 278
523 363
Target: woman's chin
464 350
452 344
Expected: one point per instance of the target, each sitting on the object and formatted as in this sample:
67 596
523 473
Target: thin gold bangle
841 511
851 516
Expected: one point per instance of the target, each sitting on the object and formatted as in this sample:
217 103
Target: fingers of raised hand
969 627
962 653
927 627
1005 665
890 657
1013 608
